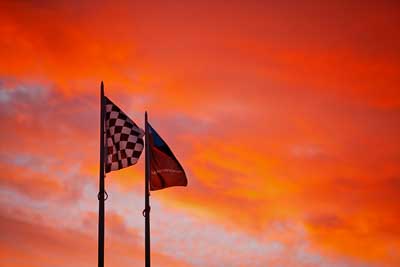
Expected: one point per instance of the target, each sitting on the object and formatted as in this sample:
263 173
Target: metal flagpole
146 211
101 194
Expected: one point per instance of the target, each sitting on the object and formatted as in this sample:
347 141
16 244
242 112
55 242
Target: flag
124 139
165 169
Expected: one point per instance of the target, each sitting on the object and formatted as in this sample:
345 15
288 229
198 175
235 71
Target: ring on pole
146 211
105 195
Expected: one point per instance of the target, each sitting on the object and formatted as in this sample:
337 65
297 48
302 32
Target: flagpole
101 194
147 195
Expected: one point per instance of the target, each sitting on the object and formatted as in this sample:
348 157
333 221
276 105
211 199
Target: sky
284 114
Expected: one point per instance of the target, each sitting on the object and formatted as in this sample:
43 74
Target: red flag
166 171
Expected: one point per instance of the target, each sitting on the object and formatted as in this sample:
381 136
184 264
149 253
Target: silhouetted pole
101 194
147 194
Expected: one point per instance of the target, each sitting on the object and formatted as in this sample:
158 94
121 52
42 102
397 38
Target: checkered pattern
124 139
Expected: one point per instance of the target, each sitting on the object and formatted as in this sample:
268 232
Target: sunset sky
284 114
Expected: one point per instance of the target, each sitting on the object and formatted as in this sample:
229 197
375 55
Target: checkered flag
124 139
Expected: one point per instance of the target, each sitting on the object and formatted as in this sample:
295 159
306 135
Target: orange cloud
24 243
279 112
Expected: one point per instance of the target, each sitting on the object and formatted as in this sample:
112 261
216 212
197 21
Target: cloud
37 184
28 242
277 112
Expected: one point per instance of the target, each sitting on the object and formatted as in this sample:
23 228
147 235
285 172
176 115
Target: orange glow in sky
284 114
